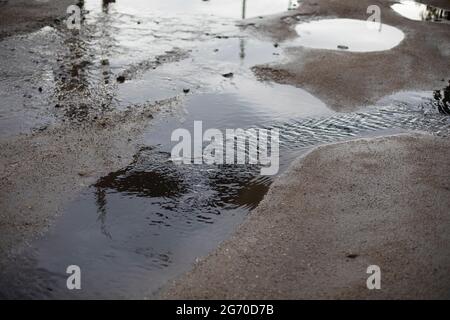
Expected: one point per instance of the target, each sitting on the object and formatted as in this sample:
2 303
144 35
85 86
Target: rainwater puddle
203 71
55 74
137 228
236 9
421 12
347 35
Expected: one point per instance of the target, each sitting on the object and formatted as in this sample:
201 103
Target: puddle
236 9
137 228
347 35
151 219
77 71
421 12
207 62
240 102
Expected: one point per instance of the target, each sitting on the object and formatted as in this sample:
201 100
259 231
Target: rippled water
136 228
54 73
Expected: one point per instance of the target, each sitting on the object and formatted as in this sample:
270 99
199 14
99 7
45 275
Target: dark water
137 228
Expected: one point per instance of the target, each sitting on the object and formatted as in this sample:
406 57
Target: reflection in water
105 5
82 88
442 98
101 204
348 34
143 179
139 179
292 5
242 48
421 12
193 192
155 216
236 9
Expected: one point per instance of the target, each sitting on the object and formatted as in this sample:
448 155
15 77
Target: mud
21 16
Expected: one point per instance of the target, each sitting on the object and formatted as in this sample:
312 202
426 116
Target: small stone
342 47
40 89
121 79
104 62
228 75
275 45
352 255
186 90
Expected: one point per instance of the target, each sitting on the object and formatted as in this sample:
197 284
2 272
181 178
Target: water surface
138 227
348 35
418 11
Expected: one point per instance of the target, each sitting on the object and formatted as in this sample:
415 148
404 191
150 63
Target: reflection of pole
242 47
101 210
105 5
241 41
